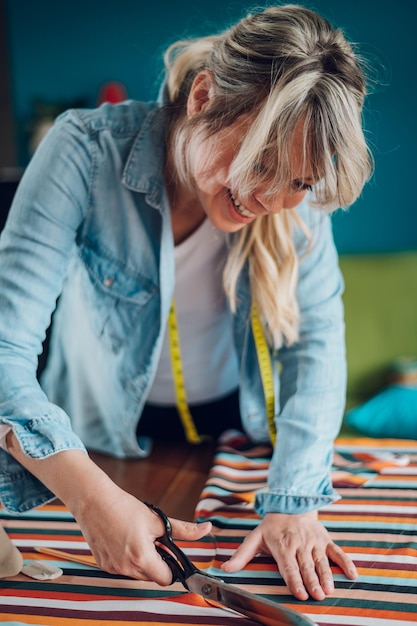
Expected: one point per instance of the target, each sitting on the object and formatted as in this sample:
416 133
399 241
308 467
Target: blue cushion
391 413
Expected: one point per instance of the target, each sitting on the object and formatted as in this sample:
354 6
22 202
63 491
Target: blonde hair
284 66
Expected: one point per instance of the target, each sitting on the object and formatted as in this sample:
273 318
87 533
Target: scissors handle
179 563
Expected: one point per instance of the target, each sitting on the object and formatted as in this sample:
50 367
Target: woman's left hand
302 549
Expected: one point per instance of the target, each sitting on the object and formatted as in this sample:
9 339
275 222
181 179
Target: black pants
210 418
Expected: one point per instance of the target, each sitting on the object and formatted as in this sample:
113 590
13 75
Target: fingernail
318 592
328 586
301 593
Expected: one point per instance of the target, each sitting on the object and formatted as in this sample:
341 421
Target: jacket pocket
115 296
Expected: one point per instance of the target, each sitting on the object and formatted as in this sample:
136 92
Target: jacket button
108 281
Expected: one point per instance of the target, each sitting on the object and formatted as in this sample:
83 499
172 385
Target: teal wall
65 51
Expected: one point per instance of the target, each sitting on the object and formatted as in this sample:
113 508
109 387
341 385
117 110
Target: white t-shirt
209 359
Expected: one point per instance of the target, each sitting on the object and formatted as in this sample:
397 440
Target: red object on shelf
112 92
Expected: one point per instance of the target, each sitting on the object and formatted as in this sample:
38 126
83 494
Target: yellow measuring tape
178 376
265 367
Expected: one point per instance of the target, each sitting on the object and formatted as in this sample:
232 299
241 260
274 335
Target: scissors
215 590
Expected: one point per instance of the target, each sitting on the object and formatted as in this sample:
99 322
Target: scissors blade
259 609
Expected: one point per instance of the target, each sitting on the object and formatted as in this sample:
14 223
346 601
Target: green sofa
380 302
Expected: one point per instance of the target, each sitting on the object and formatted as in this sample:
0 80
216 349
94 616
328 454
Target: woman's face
211 161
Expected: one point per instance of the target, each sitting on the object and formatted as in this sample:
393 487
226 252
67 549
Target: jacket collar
144 169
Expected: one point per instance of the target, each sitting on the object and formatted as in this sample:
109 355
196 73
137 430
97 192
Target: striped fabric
375 521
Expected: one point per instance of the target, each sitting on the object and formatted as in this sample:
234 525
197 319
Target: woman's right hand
120 529
121 532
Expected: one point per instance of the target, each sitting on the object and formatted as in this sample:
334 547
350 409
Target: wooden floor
172 477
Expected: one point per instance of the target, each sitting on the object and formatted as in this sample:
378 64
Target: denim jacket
89 236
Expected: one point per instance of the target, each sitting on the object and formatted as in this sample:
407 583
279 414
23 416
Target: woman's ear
201 93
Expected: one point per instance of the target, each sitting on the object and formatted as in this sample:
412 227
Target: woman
217 199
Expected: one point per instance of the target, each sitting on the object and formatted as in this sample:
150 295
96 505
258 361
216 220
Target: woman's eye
260 169
299 186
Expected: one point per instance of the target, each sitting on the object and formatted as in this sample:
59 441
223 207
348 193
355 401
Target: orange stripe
254 567
375 502
393 478
53 507
190 598
369 442
387 573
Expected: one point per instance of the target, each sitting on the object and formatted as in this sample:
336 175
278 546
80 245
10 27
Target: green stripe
349 603
88 590
45 531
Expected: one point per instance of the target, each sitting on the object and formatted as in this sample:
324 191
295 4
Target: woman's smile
240 209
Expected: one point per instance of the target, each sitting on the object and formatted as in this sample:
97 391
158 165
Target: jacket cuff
276 502
39 438
20 491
